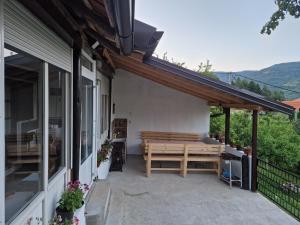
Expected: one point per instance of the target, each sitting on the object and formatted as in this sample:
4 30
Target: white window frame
2 117
91 75
47 184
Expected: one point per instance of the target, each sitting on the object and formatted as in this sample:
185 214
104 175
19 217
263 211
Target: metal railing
280 186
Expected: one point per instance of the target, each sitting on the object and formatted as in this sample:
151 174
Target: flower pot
248 151
79 216
65 215
103 168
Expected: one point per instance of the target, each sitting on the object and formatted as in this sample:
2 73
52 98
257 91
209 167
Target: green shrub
278 137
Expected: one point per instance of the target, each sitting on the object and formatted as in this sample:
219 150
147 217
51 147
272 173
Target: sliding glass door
88 111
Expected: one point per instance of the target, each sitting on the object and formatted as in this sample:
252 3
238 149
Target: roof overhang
216 92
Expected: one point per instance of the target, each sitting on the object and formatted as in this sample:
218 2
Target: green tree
285 7
278 137
217 121
203 68
206 70
255 87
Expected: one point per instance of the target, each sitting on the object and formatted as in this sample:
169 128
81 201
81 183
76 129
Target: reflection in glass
57 79
23 130
87 119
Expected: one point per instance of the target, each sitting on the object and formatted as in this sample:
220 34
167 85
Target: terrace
196 199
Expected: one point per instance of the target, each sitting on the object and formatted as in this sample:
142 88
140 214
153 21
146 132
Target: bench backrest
189 149
205 149
169 136
161 148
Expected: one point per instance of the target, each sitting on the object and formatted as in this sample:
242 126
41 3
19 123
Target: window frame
67 118
38 196
47 183
2 117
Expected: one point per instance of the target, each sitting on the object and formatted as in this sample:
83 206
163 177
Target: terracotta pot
248 151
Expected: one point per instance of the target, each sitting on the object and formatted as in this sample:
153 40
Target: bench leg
184 168
219 168
148 168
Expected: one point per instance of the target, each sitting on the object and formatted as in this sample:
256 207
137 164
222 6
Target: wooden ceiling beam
102 41
108 57
82 11
67 16
238 106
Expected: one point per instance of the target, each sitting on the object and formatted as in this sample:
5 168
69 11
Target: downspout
109 110
122 12
76 112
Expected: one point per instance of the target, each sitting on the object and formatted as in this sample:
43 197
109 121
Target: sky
226 32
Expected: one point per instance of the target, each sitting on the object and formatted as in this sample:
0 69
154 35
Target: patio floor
169 199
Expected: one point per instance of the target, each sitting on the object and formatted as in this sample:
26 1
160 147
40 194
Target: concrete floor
169 199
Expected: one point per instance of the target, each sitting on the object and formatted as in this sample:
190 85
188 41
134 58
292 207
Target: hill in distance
285 75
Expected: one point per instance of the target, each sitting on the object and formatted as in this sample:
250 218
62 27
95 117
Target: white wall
149 106
104 90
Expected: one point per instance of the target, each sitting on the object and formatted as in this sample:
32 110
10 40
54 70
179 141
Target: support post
76 112
254 151
227 125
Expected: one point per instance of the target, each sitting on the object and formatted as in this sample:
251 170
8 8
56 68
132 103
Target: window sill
31 205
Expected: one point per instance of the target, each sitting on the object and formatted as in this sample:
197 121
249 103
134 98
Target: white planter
79 214
103 169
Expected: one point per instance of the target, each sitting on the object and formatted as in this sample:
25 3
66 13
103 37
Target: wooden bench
203 153
167 136
183 152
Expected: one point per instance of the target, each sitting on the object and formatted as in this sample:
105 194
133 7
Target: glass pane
86 63
87 119
57 79
23 130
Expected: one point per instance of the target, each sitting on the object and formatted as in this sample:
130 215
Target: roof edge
219 85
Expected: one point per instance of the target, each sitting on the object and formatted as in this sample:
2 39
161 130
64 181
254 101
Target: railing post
254 151
227 125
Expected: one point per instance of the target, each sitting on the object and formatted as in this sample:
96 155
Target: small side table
228 159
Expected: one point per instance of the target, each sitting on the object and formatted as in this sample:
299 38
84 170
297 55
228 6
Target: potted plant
57 220
104 159
71 200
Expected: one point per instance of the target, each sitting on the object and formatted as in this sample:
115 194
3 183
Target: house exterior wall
37 40
149 106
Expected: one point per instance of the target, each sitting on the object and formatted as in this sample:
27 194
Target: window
104 113
87 119
57 93
23 130
85 62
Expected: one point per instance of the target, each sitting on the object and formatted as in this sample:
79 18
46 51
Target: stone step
97 203
116 208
